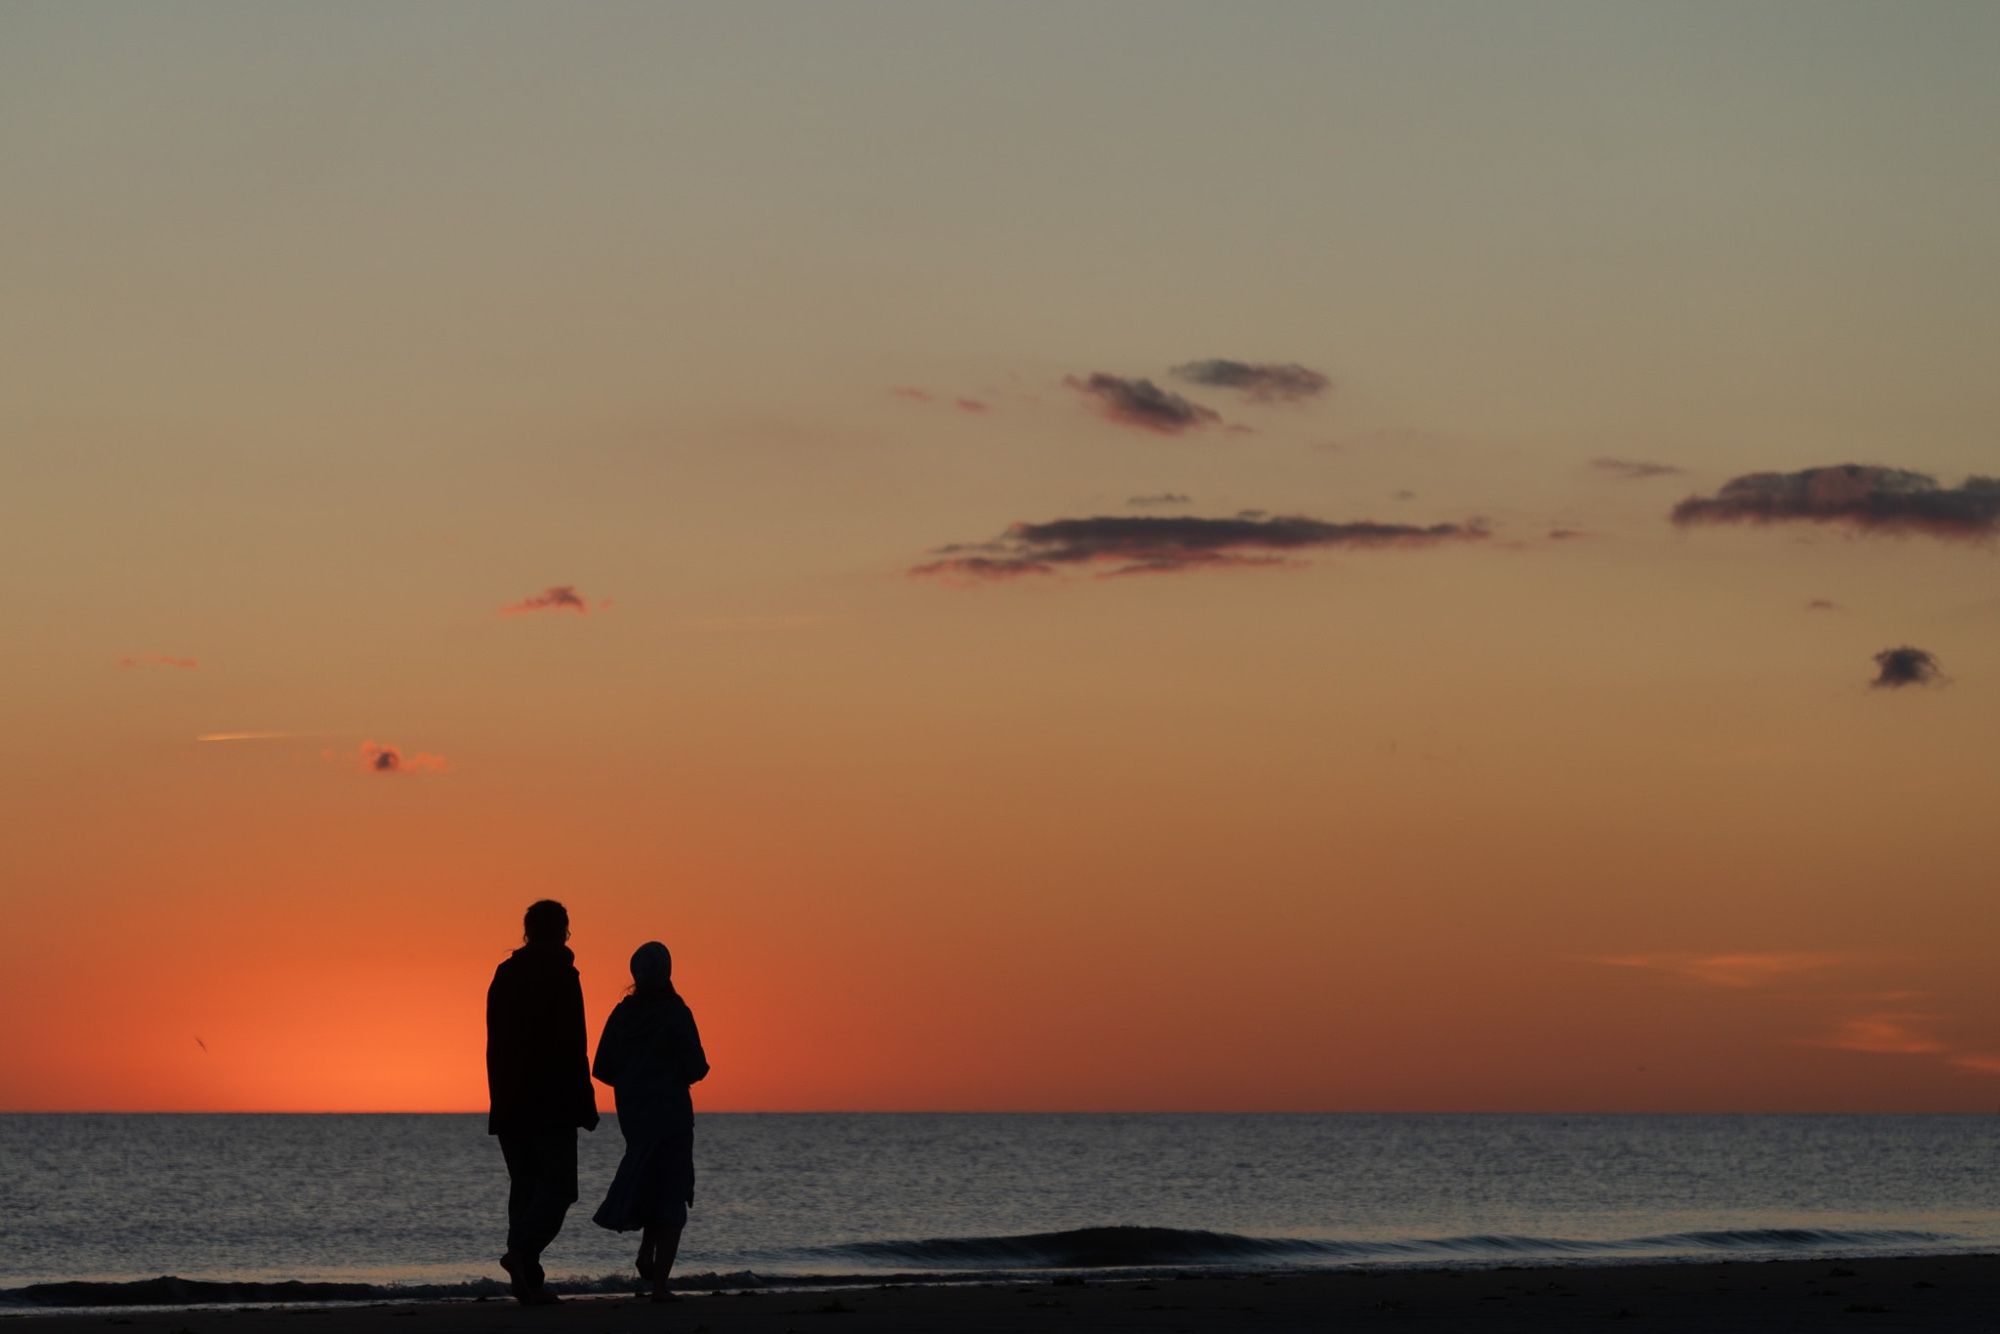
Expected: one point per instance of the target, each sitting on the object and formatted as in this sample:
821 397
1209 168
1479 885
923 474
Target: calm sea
417 1202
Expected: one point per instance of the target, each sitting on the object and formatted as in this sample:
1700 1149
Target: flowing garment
650 1053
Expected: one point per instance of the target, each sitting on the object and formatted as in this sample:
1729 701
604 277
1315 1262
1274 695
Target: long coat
650 1052
537 1057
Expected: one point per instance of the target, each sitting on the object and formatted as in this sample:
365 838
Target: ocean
391 1205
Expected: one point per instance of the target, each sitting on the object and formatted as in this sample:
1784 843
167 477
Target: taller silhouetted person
538 1074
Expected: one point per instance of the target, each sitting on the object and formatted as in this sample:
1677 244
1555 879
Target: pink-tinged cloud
1633 469
1124 545
1979 1063
1753 969
1895 1034
378 758
970 405
1260 381
911 392
1863 497
157 660
562 597
1141 403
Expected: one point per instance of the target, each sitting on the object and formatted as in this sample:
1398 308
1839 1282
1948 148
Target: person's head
546 922
652 968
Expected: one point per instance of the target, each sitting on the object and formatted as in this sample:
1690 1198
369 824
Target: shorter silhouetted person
650 1053
538 1073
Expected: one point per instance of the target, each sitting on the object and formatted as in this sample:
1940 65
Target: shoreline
1942 1293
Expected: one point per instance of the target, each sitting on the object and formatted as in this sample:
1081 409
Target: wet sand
1958 1293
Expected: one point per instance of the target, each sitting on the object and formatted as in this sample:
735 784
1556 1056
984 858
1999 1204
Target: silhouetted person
538 1073
650 1053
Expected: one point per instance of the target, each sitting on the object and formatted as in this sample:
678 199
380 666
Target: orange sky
346 334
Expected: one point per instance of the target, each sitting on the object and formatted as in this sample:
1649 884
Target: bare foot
527 1281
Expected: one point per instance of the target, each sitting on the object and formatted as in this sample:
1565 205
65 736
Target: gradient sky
333 334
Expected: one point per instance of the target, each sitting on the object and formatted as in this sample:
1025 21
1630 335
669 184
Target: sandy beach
1958 1293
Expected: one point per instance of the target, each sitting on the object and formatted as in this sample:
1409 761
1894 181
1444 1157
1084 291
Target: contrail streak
257 736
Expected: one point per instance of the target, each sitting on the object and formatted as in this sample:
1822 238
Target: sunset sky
1061 556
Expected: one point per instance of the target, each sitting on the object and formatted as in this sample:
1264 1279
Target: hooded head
652 968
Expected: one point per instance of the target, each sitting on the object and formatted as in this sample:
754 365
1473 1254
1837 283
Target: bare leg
661 1243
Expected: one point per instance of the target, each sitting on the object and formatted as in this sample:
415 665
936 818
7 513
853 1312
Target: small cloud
1633 469
1864 497
157 660
970 405
384 759
1906 666
1261 381
1162 498
563 597
1894 1034
1404 494
1822 604
1750 969
1161 544
911 393
1143 404
1566 534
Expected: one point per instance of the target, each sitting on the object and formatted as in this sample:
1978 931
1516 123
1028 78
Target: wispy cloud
1163 544
562 597
1863 497
1822 604
1141 403
1745 969
973 405
157 660
1633 469
258 736
1161 498
912 393
1261 381
1891 1034
1906 666
376 757
1866 1020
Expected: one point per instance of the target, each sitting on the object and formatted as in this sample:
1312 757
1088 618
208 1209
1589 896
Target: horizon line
1048 1111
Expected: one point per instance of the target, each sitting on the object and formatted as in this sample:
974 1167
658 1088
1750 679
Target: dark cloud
1634 468
1143 403
1163 498
1163 544
563 597
1263 381
1566 534
1906 666
375 757
1872 499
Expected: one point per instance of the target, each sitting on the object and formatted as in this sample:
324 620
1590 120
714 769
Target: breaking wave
1161 1247
946 1259
171 1291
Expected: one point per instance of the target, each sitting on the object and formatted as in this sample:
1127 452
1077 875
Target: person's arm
610 1062
694 1061
501 1047
579 1060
